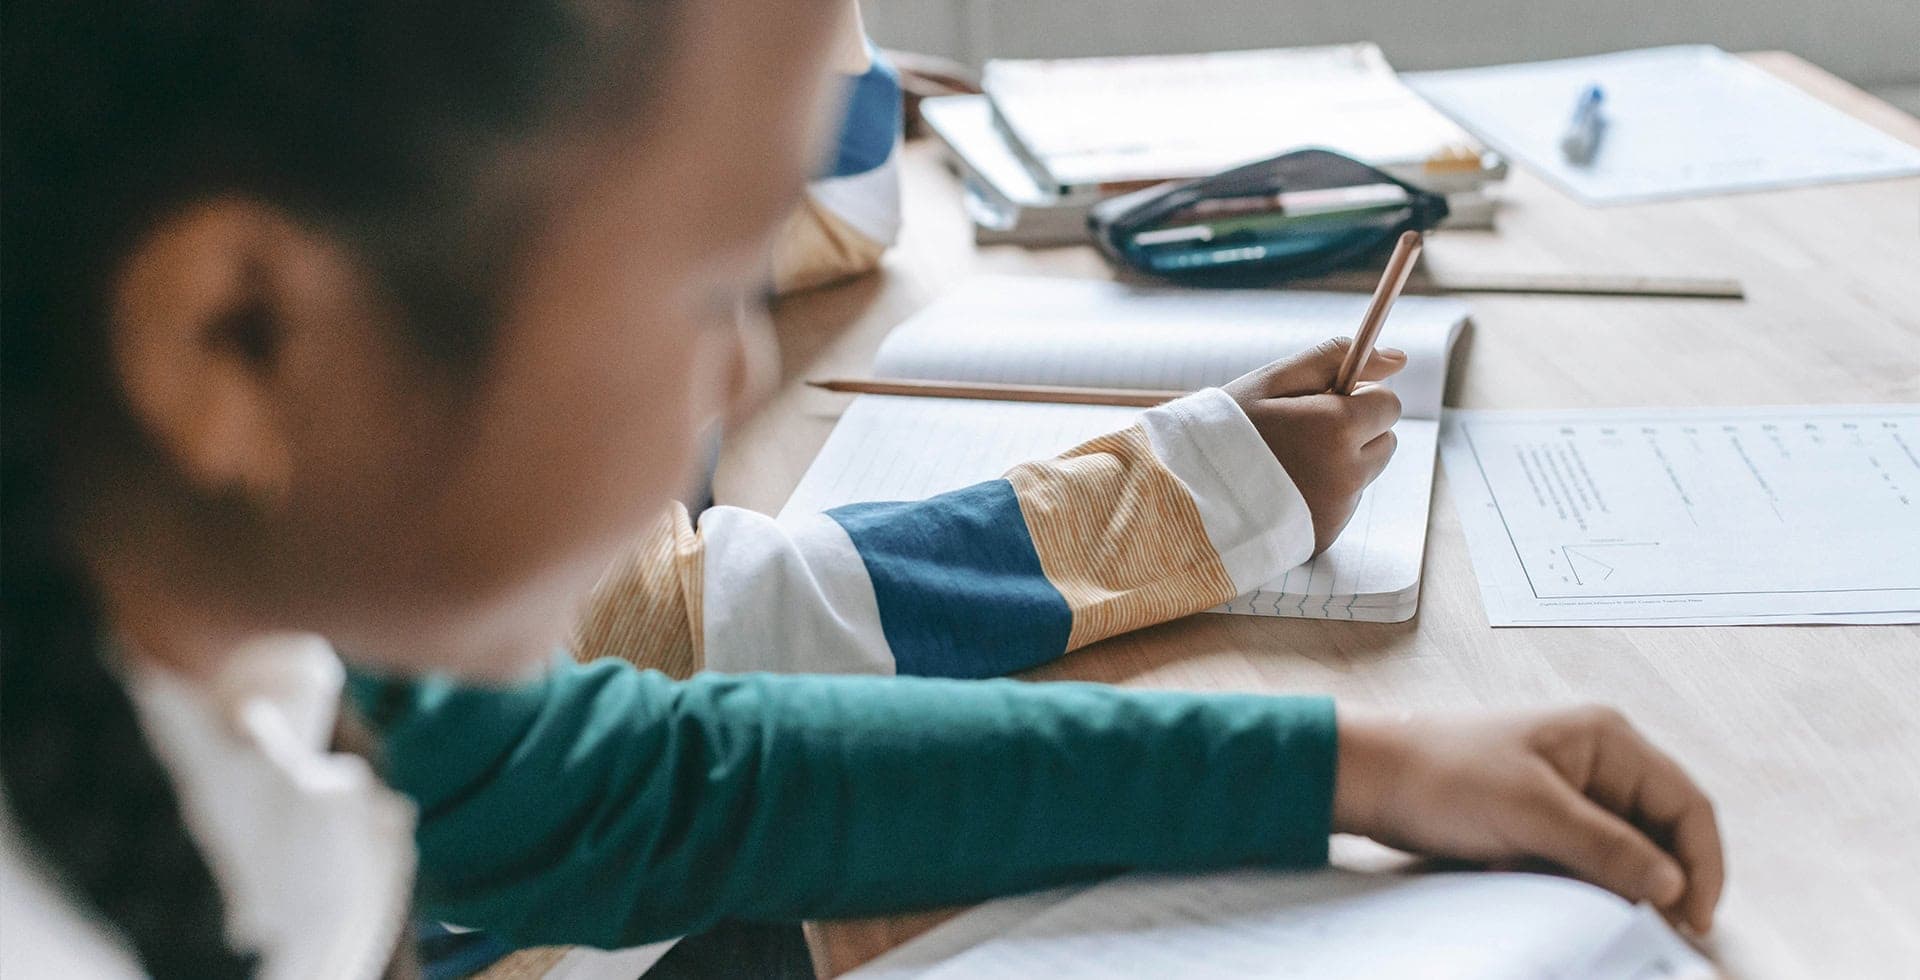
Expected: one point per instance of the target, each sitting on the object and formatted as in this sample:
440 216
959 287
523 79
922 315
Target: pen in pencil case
1268 223
1317 201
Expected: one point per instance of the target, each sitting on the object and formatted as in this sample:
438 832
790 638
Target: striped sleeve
1173 515
645 607
851 212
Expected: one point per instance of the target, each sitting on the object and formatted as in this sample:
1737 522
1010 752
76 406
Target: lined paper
1102 334
896 448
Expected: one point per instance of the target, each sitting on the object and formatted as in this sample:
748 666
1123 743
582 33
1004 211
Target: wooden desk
1808 738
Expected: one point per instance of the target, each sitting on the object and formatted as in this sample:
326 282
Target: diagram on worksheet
1593 557
1670 516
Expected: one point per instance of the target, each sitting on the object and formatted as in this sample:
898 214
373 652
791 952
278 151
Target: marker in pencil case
1258 227
1318 201
1253 226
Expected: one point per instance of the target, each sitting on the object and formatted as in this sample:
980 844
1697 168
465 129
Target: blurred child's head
385 321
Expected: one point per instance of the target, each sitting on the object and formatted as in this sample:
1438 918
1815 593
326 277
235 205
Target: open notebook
1329 924
1094 333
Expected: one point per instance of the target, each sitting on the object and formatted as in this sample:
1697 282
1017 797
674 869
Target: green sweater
608 807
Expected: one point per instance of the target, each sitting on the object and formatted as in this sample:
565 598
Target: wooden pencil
1406 252
1061 394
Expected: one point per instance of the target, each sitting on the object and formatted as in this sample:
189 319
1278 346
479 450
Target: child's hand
1331 445
1578 788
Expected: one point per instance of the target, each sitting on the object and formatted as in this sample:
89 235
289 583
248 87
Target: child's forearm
1172 516
851 214
605 806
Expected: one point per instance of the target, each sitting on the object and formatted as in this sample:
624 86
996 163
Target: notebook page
892 448
1372 572
888 448
1097 333
1327 924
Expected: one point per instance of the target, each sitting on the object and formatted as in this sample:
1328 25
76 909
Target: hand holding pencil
1330 429
1331 445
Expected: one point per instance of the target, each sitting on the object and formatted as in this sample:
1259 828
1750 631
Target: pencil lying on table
1060 394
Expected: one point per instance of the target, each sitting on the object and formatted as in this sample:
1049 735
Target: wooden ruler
1544 283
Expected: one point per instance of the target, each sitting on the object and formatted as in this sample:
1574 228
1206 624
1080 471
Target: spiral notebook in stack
1091 333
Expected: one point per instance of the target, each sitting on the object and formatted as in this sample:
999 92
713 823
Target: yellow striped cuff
1119 536
647 608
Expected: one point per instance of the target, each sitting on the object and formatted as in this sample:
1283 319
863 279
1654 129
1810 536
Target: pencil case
1297 215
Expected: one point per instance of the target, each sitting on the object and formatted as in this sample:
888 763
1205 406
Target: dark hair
378 122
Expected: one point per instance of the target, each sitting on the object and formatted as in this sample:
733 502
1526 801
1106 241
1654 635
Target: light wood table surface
1808 738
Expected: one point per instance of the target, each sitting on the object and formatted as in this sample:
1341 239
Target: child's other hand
1578 788
1331 445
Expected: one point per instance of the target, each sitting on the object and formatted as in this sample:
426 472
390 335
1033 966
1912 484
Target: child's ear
206 319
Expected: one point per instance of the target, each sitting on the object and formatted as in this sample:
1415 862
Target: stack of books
1050 138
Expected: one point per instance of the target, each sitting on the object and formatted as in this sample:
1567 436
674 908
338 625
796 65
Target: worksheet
1670 517
1680 122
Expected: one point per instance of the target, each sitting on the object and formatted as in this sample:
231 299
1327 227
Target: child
388 324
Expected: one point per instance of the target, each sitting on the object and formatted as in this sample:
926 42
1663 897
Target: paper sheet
1097 333
1691 516
890 448
1681 121
1326 924
1096 120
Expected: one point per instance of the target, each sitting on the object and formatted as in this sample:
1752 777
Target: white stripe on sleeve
869 202
788 596
1253 513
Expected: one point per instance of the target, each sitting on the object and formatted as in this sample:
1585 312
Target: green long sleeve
605 806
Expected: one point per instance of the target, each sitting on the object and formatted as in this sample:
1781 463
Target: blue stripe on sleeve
872 122
960 588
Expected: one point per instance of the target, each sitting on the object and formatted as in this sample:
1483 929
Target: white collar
314 855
